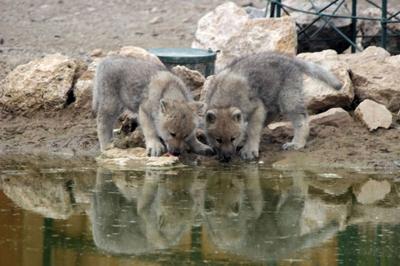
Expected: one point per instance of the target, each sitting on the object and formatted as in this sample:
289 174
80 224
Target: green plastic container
196 59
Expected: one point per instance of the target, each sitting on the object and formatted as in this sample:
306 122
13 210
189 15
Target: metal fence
276 7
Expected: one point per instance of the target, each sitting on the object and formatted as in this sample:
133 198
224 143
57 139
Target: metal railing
276 8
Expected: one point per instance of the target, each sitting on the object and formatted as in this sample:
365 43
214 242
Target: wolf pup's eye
218 140
172 134
232 139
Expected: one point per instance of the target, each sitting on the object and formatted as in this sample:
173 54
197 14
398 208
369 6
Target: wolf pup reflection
167 112
240 96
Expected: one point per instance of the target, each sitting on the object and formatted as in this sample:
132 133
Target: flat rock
230 30
373 115
371 191
320 96
134 158
333 117
40 84
375 76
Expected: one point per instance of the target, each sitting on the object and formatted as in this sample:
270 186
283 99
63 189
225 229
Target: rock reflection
134 215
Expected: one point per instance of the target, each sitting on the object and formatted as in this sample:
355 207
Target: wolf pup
239 98
167 112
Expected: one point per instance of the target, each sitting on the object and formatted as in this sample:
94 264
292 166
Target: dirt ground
30 29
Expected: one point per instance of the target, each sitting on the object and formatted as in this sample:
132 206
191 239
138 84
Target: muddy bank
68 133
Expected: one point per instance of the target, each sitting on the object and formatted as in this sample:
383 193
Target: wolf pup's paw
292 146
155 149
248 153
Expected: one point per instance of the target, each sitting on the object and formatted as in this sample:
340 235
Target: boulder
333 117
318 95
230 30
373 115
44 83
375 76
193 79
371 191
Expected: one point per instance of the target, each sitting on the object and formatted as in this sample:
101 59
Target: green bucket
195 59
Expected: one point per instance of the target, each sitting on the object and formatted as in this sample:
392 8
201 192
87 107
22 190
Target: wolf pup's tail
320 73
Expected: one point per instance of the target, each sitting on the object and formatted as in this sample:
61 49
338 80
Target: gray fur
160 98
257 85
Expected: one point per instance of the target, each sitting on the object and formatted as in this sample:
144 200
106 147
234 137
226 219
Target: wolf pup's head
178 122
225 129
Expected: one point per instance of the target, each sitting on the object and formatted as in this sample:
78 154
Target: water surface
76 213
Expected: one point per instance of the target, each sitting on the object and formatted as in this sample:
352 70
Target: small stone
156 20
96 53
371 191
373 115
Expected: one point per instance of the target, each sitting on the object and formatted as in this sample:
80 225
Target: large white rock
40 84
375 76
319 95
373 115
231 31
371 191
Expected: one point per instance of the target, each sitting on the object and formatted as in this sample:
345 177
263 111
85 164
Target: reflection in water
153 214
193 216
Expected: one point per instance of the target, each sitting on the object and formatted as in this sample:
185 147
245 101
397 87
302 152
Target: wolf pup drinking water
167 112
239 98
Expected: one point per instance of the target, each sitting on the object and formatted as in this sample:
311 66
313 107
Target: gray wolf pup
167 112
240 96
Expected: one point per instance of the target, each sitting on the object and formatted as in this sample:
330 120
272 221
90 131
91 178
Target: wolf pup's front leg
154 147
250 150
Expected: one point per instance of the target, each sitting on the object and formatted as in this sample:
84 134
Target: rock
371 76
44 83
96 53
46 196
230 30
193 79
373 115
156 20
333 117
320 96
137 52
133 158
371 191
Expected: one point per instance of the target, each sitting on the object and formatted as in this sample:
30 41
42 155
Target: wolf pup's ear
164 106
210 117
237 115
197 107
